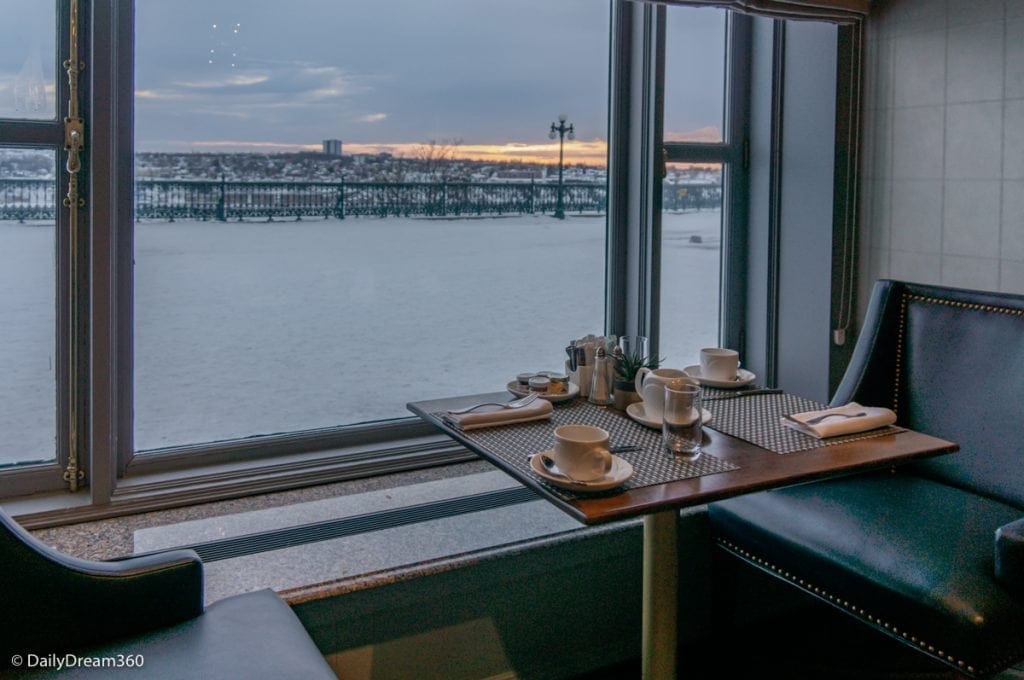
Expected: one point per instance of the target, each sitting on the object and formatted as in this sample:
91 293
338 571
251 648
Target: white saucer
743 377
515 388
636 412
620 472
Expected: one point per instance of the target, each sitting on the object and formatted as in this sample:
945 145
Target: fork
818 419
518 403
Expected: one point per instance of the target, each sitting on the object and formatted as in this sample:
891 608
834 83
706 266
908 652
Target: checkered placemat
651 464
757 418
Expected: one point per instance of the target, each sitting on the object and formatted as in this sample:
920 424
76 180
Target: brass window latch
74 142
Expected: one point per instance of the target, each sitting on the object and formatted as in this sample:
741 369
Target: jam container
559 383
540 383
524 379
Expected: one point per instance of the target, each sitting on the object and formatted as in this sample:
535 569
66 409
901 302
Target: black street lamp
561 129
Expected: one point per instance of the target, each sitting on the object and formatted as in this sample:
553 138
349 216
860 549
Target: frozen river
255 328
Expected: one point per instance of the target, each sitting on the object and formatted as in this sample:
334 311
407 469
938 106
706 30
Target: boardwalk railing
29 199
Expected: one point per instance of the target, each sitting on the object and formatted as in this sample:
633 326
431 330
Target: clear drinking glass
633 345
681 430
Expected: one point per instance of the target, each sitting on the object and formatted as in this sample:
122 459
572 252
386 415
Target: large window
303 216
336 214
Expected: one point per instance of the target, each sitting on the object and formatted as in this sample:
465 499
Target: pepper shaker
600 380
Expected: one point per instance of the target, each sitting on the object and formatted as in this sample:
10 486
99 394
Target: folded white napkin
873 418
488 416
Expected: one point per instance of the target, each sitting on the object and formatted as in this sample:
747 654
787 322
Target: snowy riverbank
254 328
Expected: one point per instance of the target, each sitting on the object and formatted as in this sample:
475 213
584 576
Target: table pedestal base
660 595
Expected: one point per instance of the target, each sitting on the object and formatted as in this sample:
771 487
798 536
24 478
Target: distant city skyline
384 76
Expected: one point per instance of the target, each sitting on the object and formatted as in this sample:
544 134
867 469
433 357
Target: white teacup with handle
719 363
650 385
581 451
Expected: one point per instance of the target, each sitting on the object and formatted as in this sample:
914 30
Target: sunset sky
386 75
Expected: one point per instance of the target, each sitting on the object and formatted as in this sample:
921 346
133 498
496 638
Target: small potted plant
626 368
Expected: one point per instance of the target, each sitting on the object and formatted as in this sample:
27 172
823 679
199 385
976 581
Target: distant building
517 175
332 147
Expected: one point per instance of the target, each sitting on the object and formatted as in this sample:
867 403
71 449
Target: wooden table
758 469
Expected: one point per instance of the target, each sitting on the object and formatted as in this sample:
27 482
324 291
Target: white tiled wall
943 155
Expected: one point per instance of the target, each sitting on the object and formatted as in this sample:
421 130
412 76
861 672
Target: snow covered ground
255 328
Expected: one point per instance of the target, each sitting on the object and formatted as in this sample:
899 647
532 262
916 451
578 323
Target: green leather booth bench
930 553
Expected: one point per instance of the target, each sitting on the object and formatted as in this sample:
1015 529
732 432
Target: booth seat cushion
254 635
887 547
1010 557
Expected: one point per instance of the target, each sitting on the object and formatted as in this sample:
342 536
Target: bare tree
436 159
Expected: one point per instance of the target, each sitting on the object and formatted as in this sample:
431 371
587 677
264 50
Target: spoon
549 465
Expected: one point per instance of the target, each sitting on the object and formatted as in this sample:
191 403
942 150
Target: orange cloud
593 152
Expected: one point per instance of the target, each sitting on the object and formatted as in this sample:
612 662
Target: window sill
157 489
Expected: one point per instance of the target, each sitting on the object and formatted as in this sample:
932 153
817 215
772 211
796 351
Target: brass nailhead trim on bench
899 356
907 297
845 604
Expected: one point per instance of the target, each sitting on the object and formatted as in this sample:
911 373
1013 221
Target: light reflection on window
27 59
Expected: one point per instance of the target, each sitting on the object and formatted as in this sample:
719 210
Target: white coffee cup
581 451
650 385
719 363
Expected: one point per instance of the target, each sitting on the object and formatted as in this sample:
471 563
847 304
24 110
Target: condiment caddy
550 385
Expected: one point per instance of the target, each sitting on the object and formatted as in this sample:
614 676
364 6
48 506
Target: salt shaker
601 379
